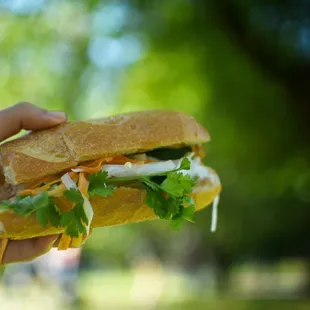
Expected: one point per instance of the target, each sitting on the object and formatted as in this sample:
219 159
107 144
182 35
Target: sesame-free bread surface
54 150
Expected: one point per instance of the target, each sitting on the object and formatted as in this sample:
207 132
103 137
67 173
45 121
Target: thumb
28 249
27 116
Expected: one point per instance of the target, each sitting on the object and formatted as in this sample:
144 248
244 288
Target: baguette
43 162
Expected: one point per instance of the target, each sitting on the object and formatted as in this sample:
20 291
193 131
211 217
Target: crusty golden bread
54 150
125 206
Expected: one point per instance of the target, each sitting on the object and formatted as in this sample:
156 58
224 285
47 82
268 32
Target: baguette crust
125 206
54 150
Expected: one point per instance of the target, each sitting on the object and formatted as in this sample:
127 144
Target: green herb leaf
97 179
22 205
75 221
177 184
185 164
185 214
188 201
106 191
156 201
42 205
164 208
169 199
40 201
98 186
154 186
49 213
188 213
74 195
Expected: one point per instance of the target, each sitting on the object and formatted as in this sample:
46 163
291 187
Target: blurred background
242 68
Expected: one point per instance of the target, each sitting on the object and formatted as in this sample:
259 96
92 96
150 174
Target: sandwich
117 170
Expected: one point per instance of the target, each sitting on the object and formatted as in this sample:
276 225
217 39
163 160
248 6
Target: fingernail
59 116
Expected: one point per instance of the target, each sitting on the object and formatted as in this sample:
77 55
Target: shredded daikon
88 209
138 170
68 182
197 169
77 170
214 213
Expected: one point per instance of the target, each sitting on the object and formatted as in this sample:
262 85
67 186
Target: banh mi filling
168 175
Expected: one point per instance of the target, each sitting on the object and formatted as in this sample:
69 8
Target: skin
13 120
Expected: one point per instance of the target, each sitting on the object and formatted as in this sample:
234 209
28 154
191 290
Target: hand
13 120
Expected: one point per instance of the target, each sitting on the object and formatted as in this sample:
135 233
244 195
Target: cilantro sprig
42 206
47 212
169 200
75 220
98 185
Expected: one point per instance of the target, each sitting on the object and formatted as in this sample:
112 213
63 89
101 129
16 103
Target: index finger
27 116
26 250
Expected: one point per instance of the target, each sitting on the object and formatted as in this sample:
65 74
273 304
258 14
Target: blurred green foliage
235 66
